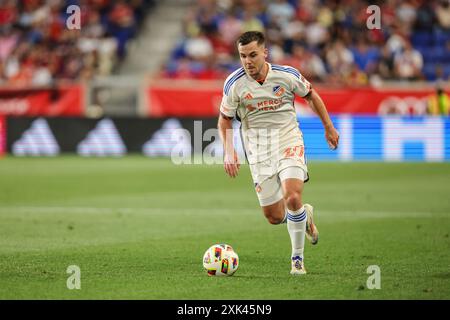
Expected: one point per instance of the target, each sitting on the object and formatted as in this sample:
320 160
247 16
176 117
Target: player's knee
293 200
274 219
274 214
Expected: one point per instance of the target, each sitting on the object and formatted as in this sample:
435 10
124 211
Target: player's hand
332 137
231 164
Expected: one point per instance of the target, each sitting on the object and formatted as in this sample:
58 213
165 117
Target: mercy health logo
271 104
38 140
104 140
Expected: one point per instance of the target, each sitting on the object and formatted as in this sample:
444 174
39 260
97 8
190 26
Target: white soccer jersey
265 109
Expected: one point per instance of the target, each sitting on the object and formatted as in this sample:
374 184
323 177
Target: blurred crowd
327 40
37 47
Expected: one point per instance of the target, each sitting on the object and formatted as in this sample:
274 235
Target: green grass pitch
138 228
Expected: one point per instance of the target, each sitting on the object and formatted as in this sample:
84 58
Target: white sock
296 225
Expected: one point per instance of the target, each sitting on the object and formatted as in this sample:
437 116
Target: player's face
253 58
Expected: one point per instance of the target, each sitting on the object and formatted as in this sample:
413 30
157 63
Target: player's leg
296 221
277 213
270 198
282 200
291 168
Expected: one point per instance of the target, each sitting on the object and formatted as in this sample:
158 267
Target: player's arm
230 161
228 109
317 105
303 88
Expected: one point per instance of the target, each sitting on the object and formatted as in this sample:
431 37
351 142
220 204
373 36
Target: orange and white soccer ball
220 260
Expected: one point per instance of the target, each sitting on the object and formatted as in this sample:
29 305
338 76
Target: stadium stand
322 38
36 48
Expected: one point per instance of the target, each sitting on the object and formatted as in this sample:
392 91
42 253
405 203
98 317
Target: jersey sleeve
230 100
301 86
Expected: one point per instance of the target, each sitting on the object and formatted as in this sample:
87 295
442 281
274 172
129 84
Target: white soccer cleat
297 266
312 233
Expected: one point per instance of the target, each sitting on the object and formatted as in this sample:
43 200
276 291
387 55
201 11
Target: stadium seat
435 55
440 37
422 39
429 71
447 71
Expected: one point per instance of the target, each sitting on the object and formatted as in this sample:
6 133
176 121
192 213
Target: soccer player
261 96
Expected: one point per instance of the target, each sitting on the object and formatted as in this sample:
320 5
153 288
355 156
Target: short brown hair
251 36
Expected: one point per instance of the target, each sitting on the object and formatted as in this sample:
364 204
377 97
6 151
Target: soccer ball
220 260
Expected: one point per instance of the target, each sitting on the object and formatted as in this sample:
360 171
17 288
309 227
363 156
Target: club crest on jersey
278 90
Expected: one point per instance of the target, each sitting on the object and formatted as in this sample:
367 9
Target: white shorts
271 163
268 188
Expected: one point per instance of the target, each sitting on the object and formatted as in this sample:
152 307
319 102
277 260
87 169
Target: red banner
61 101
203 99
2 135
375 101
184 100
